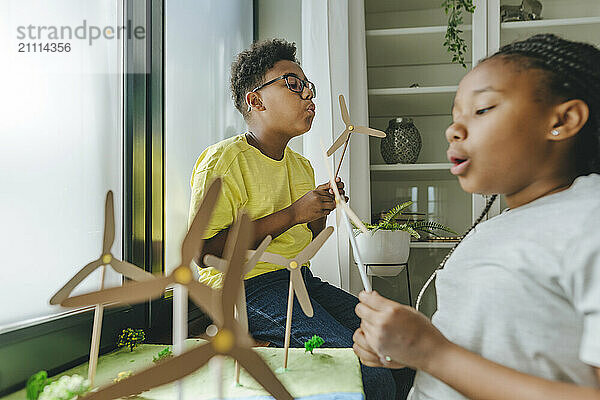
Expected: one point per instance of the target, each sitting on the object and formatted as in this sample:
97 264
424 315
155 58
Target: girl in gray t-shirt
519 298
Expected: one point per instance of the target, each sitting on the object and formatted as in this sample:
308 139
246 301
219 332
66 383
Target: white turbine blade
345 208
361 267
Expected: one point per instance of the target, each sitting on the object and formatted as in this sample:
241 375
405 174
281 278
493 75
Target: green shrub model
313 343
36 384
131 338
162 355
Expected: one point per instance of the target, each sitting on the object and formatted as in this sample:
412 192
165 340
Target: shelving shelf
411 172
413 90
412 167
413 31
431 245
544 23
579 28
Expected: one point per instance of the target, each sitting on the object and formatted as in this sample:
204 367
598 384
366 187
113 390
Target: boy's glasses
293 83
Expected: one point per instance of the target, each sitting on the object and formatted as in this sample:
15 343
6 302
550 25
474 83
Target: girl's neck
271 145
538 189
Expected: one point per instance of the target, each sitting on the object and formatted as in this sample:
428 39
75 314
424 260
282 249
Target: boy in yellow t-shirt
275 185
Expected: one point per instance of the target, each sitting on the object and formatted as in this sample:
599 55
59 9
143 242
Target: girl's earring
555 132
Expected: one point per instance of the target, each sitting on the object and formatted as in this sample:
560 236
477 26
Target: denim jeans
334 320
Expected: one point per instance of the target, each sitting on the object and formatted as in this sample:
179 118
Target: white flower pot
384 247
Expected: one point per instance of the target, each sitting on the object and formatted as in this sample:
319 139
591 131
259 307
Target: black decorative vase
402 142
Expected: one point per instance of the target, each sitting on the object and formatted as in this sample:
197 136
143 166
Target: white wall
282 20
202 39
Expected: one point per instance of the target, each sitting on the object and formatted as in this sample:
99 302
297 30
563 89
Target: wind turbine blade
215 262
130 271
357 222
242 311
255 257
344 110
109 223
192 243
166 371
128 293
261 372
338 142
204 297
66 290
301 292
313 247
273 258
369 131
233 277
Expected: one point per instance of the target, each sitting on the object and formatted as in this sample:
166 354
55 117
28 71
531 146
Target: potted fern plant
388 241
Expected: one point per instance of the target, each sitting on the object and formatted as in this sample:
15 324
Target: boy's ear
254 101
571 116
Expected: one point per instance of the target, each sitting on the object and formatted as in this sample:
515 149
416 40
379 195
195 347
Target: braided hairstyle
569 71
249 69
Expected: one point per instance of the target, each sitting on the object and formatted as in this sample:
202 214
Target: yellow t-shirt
258 184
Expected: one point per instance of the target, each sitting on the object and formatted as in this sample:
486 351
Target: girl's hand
397 332
366 354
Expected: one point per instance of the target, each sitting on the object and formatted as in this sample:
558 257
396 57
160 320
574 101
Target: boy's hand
340 186
313 205
317 203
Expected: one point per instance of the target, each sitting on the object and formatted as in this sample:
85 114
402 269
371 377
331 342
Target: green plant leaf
36 383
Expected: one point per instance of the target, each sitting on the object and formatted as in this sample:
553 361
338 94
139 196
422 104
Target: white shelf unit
405 48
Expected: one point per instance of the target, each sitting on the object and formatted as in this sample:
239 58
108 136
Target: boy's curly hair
249 69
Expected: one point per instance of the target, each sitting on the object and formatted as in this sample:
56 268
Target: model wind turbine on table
347 215
345 136
229 340
201 294
106 258
297 285
221 264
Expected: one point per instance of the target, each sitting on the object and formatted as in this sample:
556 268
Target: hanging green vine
454 42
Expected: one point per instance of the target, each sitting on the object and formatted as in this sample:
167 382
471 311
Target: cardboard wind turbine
345 136
229 340
221 264
106 258
297 285
347 214
138 292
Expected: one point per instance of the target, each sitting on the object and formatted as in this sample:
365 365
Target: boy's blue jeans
334 320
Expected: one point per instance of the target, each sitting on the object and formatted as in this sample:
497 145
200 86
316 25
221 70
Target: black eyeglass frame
303 83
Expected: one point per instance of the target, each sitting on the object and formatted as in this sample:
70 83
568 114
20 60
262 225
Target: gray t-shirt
523 290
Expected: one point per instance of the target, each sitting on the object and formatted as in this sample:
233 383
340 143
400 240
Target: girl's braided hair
569 71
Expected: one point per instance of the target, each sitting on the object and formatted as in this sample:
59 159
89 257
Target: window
61 151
